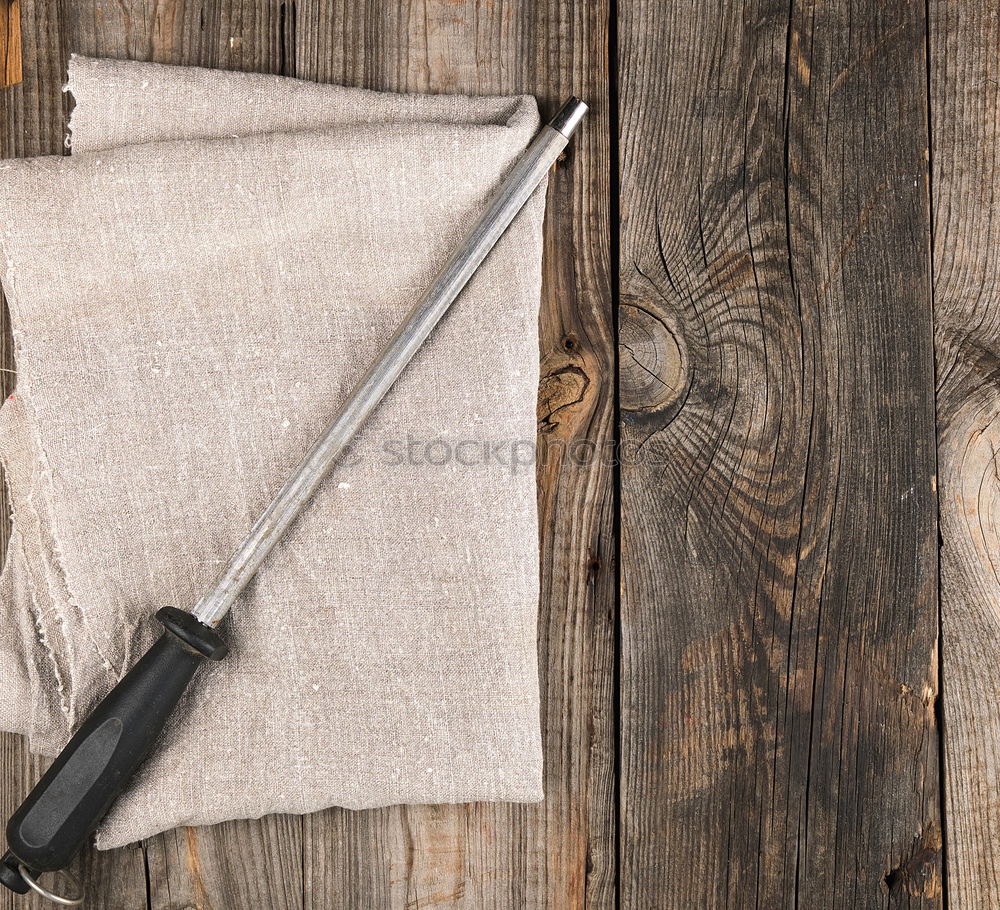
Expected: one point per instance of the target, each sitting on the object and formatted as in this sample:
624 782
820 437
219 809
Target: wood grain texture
965 98
10 42
779 611
557 855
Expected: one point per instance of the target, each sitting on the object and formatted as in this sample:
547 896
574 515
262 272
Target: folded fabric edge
18 656
110 837
29 483
37 708
44 644
140 95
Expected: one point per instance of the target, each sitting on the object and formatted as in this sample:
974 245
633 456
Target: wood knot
652 362
919 874
559 392
594 565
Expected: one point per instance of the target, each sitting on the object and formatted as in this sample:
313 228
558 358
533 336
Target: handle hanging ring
64 901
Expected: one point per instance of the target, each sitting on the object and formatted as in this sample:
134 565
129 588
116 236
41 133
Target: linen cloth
192 292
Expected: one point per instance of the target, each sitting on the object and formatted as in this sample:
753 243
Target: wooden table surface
769 630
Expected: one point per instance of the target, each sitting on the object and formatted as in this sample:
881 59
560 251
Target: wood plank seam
614 244
939 699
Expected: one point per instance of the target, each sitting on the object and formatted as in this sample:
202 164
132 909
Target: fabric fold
192 292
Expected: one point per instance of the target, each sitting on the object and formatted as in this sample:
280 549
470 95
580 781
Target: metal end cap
569 117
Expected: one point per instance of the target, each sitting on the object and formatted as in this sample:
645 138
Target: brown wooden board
10 42
965 97
779 538
556 855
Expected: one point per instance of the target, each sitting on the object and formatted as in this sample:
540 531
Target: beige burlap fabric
192 293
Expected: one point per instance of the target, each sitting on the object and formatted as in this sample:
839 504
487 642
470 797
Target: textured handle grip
67 804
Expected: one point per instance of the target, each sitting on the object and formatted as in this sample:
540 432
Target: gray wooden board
778 524
965 97
561 853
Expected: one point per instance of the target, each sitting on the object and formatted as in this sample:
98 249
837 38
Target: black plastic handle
67 804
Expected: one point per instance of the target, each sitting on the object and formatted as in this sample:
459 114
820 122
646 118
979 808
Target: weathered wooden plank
32 113
236 864
779 613
559 854
10 42
965 97
223 34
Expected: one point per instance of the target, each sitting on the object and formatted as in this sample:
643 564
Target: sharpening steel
61 812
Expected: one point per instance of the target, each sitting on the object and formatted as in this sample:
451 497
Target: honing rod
67 804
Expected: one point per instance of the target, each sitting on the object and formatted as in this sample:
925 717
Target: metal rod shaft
504 205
